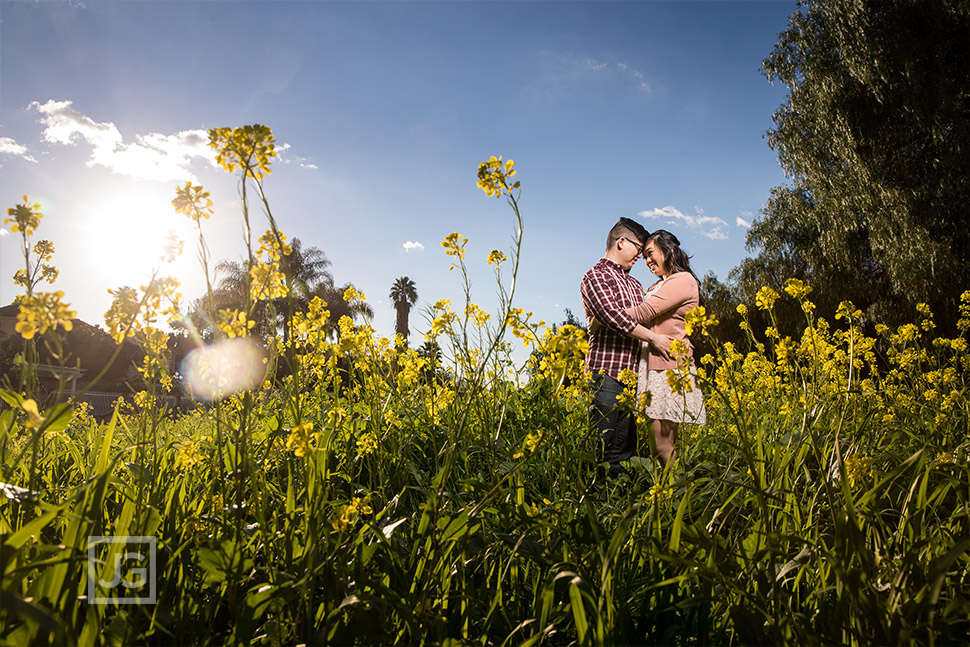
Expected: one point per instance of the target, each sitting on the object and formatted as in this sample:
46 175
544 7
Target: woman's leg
665 439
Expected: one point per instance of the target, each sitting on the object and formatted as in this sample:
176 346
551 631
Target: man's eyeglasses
635 244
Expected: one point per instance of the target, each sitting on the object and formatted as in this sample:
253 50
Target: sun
128 232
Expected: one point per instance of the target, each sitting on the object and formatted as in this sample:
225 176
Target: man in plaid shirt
608 290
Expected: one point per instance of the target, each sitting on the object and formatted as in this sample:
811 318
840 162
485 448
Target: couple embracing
632 328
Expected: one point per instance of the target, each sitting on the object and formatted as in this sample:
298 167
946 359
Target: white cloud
710 226
154 156
4 232
10 147
741 222
413 244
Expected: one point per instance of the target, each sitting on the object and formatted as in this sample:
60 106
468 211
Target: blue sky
382 111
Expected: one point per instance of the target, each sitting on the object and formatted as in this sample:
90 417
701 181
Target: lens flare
223 368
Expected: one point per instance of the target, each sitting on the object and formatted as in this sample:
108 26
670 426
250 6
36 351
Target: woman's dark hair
675 259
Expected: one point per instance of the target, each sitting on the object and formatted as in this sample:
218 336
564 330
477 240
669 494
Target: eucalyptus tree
875 138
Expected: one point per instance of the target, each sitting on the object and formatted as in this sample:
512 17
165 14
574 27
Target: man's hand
661 344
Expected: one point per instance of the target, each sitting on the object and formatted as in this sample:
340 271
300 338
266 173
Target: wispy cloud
413 245
154 156
284 156
11 147
621 69
709 226
744 222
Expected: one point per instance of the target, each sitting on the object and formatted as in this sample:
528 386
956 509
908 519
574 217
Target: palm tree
334 298
307 268
404 295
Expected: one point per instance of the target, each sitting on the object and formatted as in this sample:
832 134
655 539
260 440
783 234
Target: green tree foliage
875 136
404 295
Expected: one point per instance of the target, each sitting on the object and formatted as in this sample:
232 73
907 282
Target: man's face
629 252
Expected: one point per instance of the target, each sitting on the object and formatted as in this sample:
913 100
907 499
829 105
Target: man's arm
601 296
659 342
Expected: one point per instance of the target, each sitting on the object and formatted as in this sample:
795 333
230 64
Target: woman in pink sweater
663 309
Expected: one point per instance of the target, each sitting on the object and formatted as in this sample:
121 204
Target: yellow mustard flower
454 245
189 454
367 444
25 218
192 201
859 468
698 320
249 148
234 323
494 176
657 494
765 299
797 289
495 257
302 441
34 419
43 311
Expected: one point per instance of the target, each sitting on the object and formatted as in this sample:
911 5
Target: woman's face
654 258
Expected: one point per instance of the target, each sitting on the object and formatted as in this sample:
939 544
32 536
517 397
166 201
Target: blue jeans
617 427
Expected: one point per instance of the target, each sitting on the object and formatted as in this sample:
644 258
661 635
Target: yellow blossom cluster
234 323
190 453
192 201
518 323
367 444
697 320
859 469
530 444
496 258
24 218
494 176
561 352
443 318
476 314
302 440
627 399
765 299
454 245
657 494
249 148
357 507
43 311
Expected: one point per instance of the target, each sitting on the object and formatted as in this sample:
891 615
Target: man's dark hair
625 227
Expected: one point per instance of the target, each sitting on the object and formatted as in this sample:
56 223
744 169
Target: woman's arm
677 290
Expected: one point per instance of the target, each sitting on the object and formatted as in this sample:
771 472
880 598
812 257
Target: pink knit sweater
664 311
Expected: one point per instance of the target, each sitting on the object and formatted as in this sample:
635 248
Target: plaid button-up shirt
607 292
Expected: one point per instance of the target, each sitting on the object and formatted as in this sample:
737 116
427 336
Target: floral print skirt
686 407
